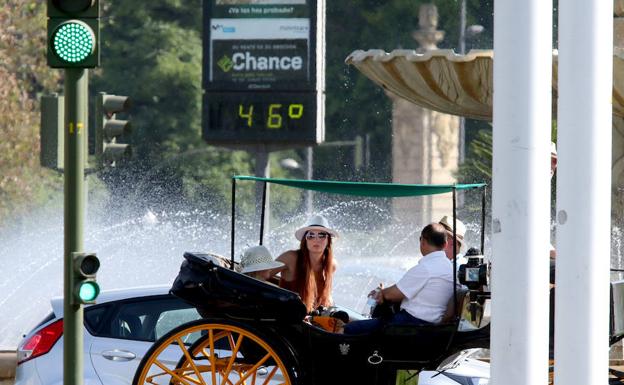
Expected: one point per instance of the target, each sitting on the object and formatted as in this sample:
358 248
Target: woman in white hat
258 263
310 269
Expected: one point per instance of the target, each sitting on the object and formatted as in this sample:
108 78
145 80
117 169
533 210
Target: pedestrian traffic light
108 128
85 288
73 33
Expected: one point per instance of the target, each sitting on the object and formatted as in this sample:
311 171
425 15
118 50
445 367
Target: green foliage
24 74
356 106
478 165
152 52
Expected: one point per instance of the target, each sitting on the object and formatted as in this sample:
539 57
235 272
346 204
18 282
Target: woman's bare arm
289 259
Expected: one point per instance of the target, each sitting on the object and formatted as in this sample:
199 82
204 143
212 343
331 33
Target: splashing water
147 248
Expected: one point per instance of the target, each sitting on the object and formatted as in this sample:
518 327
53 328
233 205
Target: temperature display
274 119
275 116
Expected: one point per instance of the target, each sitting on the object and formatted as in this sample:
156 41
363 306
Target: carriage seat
449 319
422 343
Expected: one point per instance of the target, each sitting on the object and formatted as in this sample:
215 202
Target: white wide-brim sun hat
460 228
258 258
316 223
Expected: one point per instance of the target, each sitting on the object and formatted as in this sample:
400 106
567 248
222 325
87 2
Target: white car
124 324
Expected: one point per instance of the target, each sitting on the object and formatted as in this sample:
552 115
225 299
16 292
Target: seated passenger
258 263
460 232
424 291
310 269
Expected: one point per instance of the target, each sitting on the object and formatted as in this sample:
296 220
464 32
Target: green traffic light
73 41
89 291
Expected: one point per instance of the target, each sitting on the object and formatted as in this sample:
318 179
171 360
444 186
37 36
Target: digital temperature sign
275 118
263 72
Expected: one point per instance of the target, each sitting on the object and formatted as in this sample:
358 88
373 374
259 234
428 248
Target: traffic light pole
76 89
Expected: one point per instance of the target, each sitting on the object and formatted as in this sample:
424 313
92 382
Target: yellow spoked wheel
206 353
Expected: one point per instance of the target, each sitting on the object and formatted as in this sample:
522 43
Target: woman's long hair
305 285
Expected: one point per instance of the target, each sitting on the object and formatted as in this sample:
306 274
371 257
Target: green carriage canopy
367 189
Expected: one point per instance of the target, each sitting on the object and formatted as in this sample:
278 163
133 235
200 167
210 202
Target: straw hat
318 223
460 228
258 258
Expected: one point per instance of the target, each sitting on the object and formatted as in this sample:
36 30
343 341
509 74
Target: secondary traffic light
85 288
108 128
73 33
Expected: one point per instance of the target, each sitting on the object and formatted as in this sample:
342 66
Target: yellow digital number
295 111
275 119
248 115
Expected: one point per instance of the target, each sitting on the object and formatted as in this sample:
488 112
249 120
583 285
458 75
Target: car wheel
214 353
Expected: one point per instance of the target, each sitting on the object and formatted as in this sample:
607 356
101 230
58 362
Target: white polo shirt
428 287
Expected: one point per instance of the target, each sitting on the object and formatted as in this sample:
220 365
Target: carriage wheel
220 353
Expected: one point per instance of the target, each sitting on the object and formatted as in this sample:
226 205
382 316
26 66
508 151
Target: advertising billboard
263 74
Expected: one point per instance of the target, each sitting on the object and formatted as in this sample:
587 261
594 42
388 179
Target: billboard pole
263 170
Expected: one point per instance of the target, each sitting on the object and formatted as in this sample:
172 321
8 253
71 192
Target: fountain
145 248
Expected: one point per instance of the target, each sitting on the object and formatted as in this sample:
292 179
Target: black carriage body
316 356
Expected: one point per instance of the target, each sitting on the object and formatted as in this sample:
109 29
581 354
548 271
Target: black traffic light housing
68 16
85 289
108 128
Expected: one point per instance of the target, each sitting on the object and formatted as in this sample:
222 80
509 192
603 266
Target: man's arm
392 294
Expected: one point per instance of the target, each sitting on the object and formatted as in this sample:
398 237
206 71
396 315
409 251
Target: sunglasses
310 235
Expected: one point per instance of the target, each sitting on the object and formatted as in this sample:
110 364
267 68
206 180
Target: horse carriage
253 332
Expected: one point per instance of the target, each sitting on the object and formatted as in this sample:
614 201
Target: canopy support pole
483 203
233 222
262 211
455 250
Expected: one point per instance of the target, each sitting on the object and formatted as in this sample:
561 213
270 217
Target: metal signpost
73 39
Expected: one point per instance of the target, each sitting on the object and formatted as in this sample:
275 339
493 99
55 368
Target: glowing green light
73 41
89 291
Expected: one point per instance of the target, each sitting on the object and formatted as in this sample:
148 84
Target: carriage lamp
474 273
474 276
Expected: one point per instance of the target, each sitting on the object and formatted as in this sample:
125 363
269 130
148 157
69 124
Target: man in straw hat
424 291
258 263
460 232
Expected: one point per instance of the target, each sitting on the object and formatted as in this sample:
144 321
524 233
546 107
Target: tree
356 106
152 52
24 74
478 165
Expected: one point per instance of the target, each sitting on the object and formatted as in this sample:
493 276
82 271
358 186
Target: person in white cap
460 232
310 269
258 263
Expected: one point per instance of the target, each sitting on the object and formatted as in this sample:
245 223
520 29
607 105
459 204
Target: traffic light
85 288
108 128
73 33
